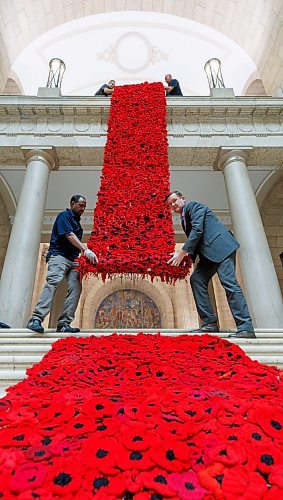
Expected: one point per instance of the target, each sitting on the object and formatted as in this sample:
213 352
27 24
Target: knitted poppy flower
64 477
157 480
68 446
16 437
104 486
27 476
38 453
264 458
270 420
79 425
137 460
136 437
171 456
223 454
102 453
98 407
186 485
240 481
211 478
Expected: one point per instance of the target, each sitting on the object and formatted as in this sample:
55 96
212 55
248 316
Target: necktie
183 219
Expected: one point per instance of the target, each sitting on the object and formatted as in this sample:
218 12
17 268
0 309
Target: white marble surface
262 288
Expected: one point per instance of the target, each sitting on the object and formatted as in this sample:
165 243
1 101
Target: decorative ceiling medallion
132 53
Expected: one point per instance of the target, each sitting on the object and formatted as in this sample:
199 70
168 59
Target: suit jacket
207 236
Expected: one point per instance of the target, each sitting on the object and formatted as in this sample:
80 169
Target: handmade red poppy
28 476
270 420
66 447
16 437
102 453
64 477
170 455
132 226
241 482
157 480
186 485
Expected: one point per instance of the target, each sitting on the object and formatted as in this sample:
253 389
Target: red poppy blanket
143 417
132 226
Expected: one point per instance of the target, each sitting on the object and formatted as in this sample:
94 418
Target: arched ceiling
132 47
255 25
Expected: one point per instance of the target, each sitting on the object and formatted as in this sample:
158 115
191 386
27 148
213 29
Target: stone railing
197 128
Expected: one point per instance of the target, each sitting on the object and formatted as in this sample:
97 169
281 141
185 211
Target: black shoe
209 328
244 334
3 325
67 328
35 325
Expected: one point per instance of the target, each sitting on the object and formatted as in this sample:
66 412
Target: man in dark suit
216 247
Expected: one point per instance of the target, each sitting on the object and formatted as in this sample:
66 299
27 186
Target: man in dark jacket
65 247
107 89
216 247
173 86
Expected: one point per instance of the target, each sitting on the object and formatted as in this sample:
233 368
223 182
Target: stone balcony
197 128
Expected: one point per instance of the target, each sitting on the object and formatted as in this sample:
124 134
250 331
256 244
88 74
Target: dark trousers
200 279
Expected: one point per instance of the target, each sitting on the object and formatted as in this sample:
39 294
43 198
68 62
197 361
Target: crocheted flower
240 481
64 477
186 485
27 476
102 454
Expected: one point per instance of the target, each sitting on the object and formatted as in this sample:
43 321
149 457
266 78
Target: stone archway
95 292
127 308
271 213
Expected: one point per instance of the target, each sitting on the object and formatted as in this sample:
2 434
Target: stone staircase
20 348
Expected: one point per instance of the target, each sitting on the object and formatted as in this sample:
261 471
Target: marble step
18 362
269 347
52 334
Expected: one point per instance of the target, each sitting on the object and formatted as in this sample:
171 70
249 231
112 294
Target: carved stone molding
197 128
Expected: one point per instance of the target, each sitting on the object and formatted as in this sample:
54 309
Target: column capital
45 154
228 155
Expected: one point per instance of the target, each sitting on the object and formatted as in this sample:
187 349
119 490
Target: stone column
17 281
259 276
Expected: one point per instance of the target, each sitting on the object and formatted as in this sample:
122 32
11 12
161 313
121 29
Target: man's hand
176 258
90 255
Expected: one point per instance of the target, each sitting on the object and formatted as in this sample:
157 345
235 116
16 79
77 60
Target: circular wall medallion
132 51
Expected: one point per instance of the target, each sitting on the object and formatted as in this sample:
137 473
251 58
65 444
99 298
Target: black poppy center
219 478
99 407
189 486
136 455
99 482
170 455
62 479
101 453
39 453
276 425
267 459
160 479
256 436
20 437
46 441
137 438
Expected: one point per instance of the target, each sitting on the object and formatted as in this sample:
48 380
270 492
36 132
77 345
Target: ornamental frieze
197 128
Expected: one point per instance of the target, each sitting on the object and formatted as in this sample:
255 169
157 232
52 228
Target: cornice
76 127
